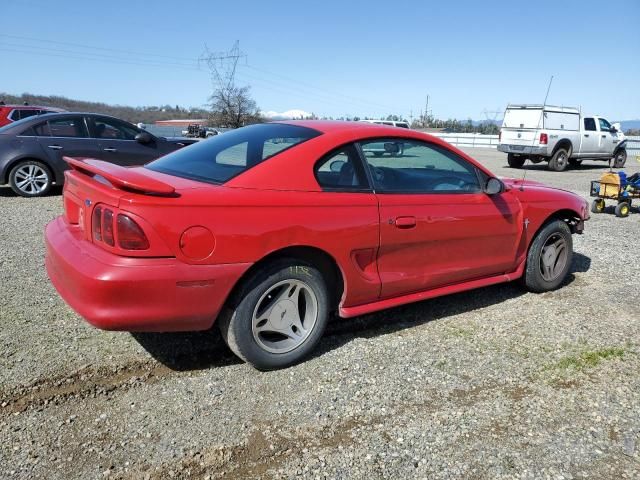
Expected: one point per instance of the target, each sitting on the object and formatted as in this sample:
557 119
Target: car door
437 226
117 144
65 136
590 142
607 140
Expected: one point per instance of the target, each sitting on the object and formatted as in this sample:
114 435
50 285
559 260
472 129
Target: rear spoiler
121 177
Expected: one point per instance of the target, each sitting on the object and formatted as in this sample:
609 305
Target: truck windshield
225 156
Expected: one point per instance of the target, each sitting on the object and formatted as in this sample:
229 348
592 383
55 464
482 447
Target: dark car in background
31 150
13 113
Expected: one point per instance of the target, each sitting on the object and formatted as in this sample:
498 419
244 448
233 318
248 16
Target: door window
410 166
42 130
590 124
341 170
604 125
67 127
113 129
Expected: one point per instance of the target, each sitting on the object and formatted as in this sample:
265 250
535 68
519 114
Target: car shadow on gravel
5 191
203 350
543 166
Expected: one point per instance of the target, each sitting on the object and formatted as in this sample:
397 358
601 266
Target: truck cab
561 136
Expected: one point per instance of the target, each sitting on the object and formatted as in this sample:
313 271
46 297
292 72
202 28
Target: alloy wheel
31 179
284 316
553 257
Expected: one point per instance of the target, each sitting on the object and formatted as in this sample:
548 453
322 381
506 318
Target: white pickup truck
559 135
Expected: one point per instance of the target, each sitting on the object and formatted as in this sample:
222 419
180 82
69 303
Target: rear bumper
135 294
522 149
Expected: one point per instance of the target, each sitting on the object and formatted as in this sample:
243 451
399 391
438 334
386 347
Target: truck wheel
515 161
622 209
559 161
549 257
575 163
620 159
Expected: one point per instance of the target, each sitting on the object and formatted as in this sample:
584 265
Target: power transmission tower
494 118
222 65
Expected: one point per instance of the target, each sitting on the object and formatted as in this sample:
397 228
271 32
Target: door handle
405 222
604 136
55 147
586 134
110 149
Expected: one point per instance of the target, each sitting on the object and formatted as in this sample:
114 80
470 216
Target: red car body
13 113
204 239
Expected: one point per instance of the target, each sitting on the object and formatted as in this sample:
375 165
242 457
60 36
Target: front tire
278 316
30 178
620 159
515 161
549 257
559 161
597 206
623 209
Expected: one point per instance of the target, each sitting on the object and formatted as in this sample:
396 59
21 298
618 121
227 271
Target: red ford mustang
271 227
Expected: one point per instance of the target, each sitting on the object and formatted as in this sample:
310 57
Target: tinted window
67 127
28 113
15 115
113 129
604 125
409 166
222 157
590 124
341 170
42 130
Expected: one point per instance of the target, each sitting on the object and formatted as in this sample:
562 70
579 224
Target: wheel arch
318 258
563 143
569 216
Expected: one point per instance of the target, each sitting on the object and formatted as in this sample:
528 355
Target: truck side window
590 124
604 125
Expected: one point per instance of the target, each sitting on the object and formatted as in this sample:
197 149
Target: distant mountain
629 124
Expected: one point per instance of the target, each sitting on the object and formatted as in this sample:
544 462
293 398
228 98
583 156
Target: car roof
330 126
33 107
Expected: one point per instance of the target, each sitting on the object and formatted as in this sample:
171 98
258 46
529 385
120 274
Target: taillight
107 227
130 235
96 223
543 139
127 232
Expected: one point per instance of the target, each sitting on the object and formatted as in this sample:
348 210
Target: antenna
535 135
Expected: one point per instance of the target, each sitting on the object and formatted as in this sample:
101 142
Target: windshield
224 156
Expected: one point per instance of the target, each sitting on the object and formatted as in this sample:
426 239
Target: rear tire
30 178
623 209
515 161
559 161
278 316
620 159
549 257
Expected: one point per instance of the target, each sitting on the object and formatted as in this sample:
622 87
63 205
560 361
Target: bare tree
231 105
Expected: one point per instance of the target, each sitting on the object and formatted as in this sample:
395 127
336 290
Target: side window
41 130
341 170
410 166
67 127
15 115
113 129
589 124
604 125
28 113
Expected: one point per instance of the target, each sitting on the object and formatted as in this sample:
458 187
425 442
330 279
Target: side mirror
143 138
392 147
493 186
613 129
336 165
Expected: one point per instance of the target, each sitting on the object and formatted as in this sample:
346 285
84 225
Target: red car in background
13 113
268 229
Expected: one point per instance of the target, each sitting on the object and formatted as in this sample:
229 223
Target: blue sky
332 57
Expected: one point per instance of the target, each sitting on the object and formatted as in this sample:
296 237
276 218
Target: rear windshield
224 156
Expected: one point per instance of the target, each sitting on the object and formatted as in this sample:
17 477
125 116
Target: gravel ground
494 383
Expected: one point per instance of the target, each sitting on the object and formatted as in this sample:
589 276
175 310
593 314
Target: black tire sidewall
623 160
12 180
239 334
553 163
533 277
